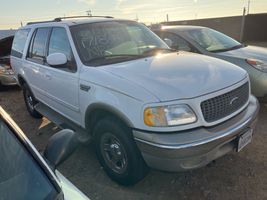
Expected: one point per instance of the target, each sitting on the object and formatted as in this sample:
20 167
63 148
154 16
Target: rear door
35 61
62 83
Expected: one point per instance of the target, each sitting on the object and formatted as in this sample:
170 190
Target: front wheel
118 153
30 102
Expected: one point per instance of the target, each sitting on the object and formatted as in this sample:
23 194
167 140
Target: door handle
48 76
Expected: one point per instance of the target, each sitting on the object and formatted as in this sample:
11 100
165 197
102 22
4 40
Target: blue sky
153 11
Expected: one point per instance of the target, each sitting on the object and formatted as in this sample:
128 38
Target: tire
30 102
117 152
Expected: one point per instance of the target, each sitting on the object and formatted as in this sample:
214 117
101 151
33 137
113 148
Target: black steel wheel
117 151
30 102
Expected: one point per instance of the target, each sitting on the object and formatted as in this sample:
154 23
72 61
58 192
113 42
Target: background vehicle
116 82
6 73
213 43
24 174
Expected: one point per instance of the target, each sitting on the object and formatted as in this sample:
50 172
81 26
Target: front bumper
7 80
190 149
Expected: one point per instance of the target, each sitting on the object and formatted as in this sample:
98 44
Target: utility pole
248 7
136 18
243 24
167 17
89 12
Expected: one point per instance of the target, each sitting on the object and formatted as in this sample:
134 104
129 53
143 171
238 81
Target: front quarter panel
99 87
127 108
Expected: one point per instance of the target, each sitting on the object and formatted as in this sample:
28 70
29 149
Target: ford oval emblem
233 100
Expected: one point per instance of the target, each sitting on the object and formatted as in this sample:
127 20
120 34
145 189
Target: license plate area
244 139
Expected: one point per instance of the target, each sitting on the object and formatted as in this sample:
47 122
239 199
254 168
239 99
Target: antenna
89 13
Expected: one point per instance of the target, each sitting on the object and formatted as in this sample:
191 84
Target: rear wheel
118 153
30 102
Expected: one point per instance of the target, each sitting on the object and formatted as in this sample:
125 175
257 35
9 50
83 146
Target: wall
256 28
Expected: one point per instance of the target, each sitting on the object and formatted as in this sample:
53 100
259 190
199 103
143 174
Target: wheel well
21 81
93 116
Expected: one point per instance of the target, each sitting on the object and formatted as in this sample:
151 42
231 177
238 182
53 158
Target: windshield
213 41
21 178
114 41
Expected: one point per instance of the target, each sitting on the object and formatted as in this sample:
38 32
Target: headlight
258 64
169 115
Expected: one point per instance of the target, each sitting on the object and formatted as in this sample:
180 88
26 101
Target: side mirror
57 59
168 42
60 146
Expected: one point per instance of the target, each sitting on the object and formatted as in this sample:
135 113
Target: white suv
141 103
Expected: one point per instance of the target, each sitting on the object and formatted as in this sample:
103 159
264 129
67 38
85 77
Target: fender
108 108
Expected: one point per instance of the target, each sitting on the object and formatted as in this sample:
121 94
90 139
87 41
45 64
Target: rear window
19 42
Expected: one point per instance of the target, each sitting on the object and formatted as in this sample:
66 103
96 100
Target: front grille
221 106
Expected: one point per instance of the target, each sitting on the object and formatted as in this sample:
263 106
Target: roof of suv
72 21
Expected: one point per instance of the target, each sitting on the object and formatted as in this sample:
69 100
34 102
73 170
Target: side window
177 42
59 43
38 45
19 42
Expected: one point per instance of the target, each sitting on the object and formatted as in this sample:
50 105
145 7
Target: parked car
143 104
213 43
25 174
6 73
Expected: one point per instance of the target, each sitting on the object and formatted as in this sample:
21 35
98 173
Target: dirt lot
235 176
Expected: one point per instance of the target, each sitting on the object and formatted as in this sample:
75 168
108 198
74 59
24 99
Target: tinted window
38 44
19 42
59 43
21 177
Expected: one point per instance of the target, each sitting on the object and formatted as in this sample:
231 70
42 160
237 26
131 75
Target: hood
180 75
247 52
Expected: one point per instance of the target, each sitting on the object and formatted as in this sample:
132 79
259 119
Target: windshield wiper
228 49
115 56
157 49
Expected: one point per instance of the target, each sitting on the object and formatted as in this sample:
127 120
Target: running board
62 122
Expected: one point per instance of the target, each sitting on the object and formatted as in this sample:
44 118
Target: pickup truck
142 104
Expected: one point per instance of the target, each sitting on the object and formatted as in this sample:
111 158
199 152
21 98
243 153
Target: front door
62 82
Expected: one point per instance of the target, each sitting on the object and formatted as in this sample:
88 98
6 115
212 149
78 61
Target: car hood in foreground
247 52
69 190
180 75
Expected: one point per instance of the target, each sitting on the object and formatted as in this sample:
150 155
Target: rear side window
38 45
19 42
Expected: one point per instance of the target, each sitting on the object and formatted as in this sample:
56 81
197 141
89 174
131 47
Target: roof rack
29 23
59 19
71 17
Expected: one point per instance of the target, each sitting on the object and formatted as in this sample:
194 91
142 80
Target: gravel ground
235 176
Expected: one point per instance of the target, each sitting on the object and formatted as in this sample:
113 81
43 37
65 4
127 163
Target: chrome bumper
195 148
